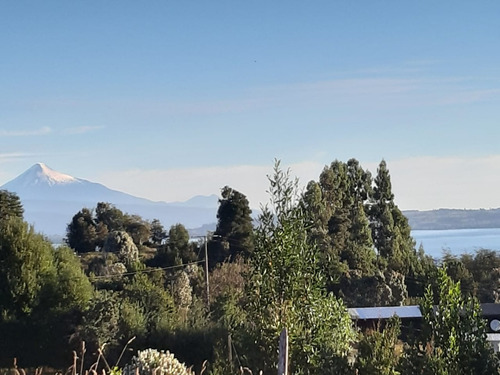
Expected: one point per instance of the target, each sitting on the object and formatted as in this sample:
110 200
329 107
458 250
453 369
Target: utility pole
206 273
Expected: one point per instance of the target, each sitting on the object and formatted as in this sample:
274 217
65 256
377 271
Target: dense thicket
341 243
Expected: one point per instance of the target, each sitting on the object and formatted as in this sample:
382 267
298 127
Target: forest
125 294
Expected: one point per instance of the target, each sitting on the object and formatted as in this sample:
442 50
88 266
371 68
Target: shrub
152 361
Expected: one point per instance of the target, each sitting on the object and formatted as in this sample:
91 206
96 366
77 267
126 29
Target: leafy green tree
286 289
452 338
158 232
43 292
179 249
138 228
69 288
484 266
101 322
81 233
154 302
110 216
233 235
26 263
458 272
377 353
10 205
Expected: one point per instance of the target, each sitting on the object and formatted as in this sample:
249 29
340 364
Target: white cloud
25 133
82 129
418 183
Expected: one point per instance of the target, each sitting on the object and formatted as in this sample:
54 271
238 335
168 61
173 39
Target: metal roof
386 312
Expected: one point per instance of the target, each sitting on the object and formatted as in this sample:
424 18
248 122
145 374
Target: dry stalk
203 367
104 359
83 357
123 350
15 371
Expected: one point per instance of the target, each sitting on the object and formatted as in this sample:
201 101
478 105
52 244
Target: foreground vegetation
343 242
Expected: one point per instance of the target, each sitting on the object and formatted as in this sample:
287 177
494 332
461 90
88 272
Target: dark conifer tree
81 232
390 229
10 205
234 232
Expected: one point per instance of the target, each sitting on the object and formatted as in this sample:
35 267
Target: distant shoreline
444 218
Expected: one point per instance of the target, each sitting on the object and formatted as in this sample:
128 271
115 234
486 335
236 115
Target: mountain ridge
50 200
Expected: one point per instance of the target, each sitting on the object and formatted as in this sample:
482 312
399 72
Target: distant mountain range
51 199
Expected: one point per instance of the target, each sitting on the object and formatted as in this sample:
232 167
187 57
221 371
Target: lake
457 241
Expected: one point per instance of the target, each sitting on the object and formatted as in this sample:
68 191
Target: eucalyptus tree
286 289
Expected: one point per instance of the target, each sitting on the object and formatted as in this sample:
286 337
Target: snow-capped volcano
50 200
40 174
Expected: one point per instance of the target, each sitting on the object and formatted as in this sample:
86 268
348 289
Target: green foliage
81 232
453 335
234 233
10 205
110 216
286 288
339 225
158 233
390 229
377 350
42 294
101 322
26 265
484 267
381 289
70 289
120 243
178 245
138 228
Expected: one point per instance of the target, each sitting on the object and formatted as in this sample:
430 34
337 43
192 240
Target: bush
151 361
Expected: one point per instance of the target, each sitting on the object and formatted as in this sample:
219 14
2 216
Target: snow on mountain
50 200
41 173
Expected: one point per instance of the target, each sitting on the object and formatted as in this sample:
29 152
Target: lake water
457 241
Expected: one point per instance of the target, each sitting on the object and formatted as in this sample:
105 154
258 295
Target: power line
148 270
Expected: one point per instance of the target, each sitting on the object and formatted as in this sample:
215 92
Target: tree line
341 242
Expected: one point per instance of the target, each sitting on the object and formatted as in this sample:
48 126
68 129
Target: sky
170 99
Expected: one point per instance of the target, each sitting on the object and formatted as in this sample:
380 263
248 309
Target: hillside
453 219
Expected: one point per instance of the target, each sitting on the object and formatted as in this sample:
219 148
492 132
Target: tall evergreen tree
390 229
158 232
10 205
233 235
340 228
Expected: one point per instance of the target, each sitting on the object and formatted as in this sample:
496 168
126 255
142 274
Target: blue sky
167 100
